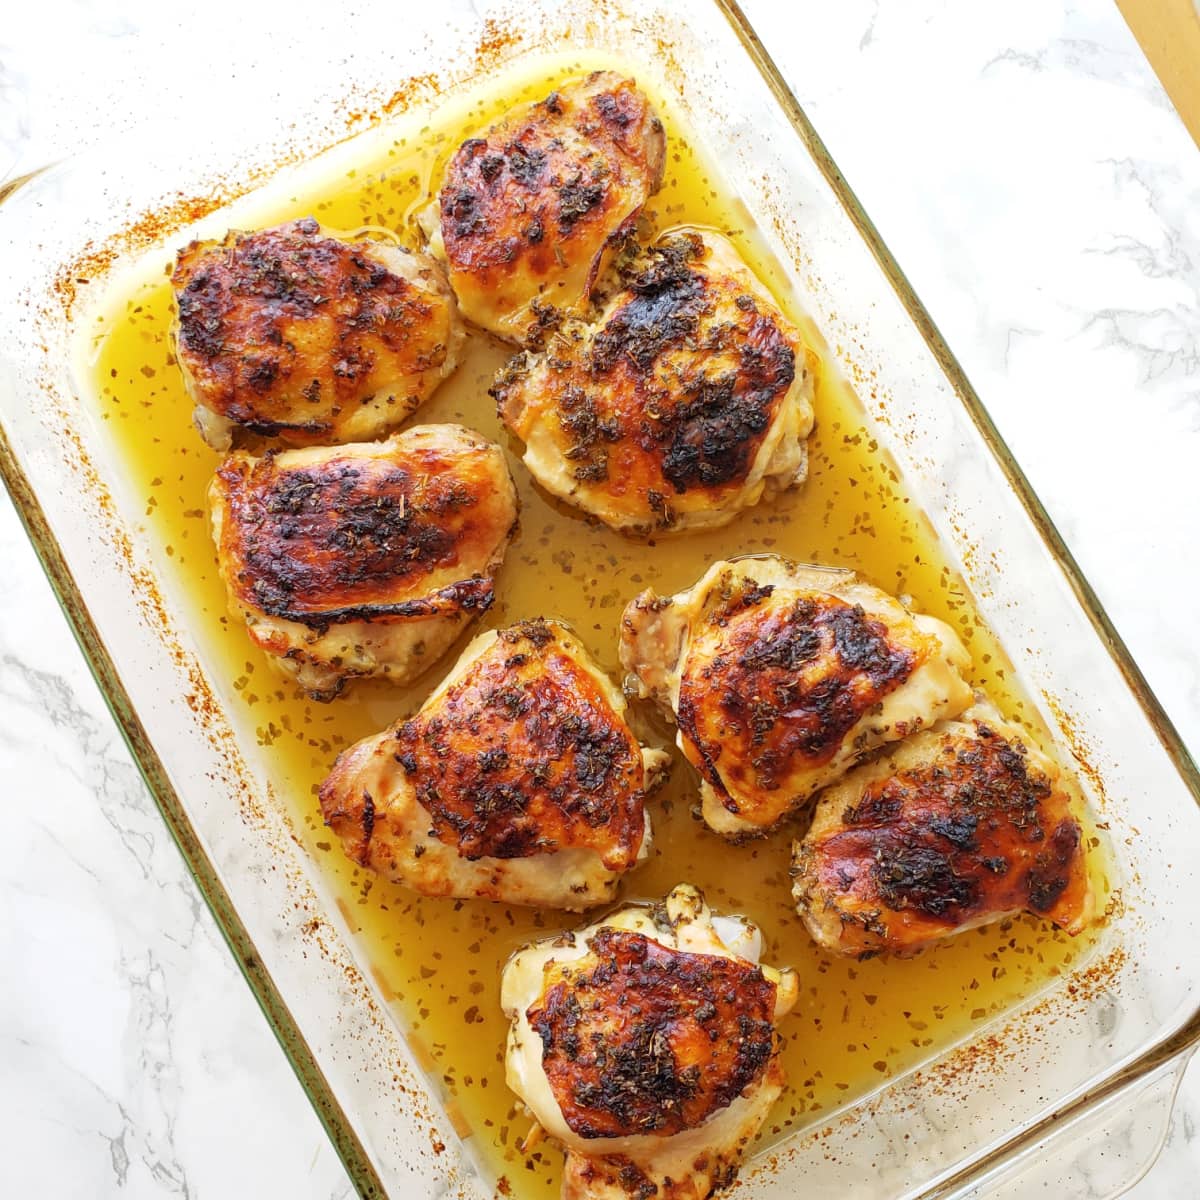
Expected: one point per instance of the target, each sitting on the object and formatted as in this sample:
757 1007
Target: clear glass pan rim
302 1059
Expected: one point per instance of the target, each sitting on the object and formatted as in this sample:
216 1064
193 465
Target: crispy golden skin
363 559
781 676
640 1038
293 334
962 824
528 209
518 780
646 1045
524 756
686 401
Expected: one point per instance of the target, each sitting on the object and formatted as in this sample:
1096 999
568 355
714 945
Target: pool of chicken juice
437 962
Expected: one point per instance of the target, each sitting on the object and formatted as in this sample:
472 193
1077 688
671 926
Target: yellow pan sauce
857 1024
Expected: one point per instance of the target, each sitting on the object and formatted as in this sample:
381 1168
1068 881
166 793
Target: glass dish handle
1101 1154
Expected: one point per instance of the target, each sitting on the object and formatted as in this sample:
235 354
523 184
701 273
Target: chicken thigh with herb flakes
646 1046
688 400
518 780
781 677
363 560
292 333
956 827
528 210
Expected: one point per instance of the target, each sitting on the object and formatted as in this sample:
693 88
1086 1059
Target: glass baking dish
1113 1033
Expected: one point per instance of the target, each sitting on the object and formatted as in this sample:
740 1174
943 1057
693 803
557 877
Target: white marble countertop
1035 184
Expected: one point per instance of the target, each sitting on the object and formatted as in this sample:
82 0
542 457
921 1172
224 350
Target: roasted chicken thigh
960 825
781 676
293 333
528 209
646 1046
366 559
518 780
686 401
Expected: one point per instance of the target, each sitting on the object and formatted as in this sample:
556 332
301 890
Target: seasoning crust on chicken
688 400
780 677
646 1046
293 333
961 825
518 780
528 209
365 559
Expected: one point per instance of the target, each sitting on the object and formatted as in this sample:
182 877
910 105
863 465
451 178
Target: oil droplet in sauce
437 962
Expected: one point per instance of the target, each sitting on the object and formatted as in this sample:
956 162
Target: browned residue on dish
971 1068
1082 751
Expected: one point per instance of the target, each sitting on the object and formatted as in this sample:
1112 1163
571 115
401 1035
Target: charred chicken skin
367 559
518 780
959 826
528 210
296 334
688 399
780 677
646 1045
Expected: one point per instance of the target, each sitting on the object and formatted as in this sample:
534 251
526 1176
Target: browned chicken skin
781 676
646 1045
364 559
291 333
518 780
699 1032
687 400
960 825
528 209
